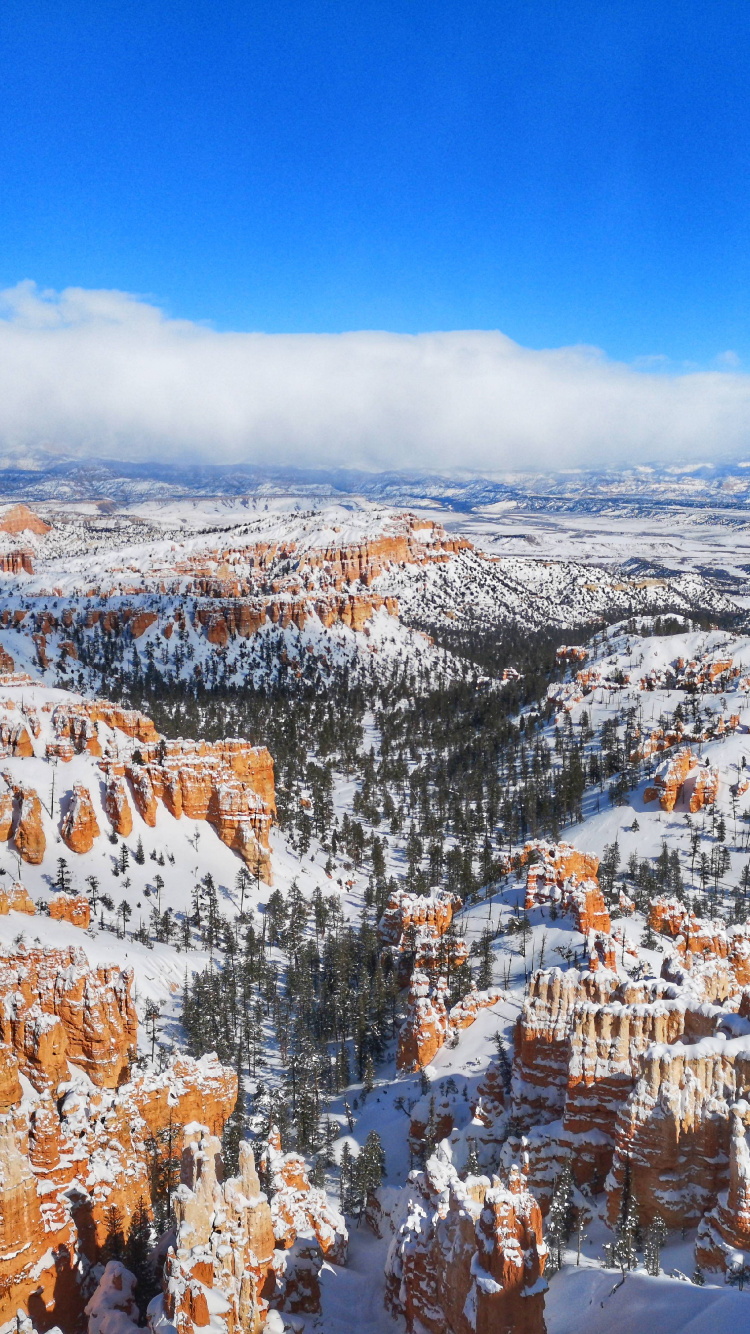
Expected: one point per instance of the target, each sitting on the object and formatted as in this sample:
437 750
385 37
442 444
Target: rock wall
468 1257
55 1007
68 1154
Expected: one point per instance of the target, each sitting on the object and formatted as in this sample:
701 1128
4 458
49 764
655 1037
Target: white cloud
105 373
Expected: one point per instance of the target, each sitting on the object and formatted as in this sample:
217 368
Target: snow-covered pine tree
558 1218
656 1236
346 1164
472 1162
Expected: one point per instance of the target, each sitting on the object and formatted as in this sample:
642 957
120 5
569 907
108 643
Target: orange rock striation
55 1007
73 908
428 1021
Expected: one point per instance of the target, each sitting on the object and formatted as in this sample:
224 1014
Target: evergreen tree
472 1161
114 1242
137 1257
558 1218
345 1179
656 1237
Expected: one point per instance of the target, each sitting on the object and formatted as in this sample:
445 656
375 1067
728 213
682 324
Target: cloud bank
107 374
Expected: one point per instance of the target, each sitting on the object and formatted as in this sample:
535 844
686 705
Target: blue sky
564 172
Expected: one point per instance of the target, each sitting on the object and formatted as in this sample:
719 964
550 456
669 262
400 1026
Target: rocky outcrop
673 1133
425 1027
468 1257
113 1308
580 1042
55 1007
559 875
15 898
20 519
723 1239
117 806
66 1161
228 783
415 933
28 833
14 739
301 1212
73 908
708 956
684 778
222 1260
80 827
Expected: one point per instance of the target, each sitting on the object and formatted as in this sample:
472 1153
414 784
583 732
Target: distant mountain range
40 476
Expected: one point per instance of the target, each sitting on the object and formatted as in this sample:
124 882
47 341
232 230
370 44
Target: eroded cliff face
222 1259
235 1254
645 1081
229 784
54 1007
468 1256
416 938
76 1133
558 874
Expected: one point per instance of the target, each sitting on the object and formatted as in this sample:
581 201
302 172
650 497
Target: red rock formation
16 898
559 874
415 932
683 776
16 561
6 815
469 1257
228 783
204 1091
724 1234
579 1043
80 827
300 1211
141 622
673 1133
113 1308
117 806
716 957
20 519
425 1027
224 1246
64 1163
94 1008
73 908
73 723
28 833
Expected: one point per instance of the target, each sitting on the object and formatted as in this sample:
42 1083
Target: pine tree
137 1256
371 1162
235 1127
114 1242
472 1161
63 881
430 1134
368 1082
558 1218
627 1227
656 1237
485 976
346 1164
